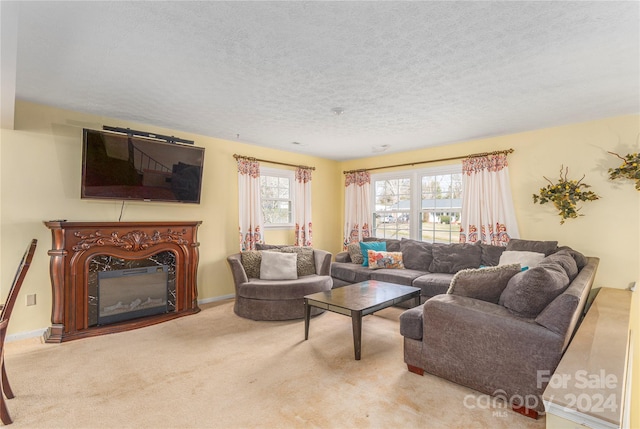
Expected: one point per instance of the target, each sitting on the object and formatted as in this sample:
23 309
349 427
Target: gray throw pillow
355 253
546 247
451 258
251 260
490 255
581 260
564 259
262 246
486 284
305 264
529 292
416 255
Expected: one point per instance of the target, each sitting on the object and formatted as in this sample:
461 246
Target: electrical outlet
31 299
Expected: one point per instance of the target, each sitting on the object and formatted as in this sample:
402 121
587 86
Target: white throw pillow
278 266
524 258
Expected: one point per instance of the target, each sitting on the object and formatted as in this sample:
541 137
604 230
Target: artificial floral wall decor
628 169
565 195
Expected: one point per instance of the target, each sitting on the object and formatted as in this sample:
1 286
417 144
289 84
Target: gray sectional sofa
500 330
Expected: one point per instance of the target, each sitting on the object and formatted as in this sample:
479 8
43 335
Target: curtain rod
248 158
475 155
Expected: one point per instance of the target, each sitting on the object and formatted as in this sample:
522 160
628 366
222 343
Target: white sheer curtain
251 225
487 208
303 207
357 210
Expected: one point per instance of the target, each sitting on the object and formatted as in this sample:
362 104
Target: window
276 197
420 204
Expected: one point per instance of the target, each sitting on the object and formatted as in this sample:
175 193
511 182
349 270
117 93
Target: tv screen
124 167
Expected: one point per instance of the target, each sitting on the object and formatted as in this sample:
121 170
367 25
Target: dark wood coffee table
358 300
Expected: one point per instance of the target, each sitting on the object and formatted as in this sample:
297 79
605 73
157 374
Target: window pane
392 208
276 212
283 193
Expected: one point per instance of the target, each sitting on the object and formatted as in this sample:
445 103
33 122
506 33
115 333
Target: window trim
288 174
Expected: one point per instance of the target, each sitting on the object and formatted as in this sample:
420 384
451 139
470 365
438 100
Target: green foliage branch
565 195
628 169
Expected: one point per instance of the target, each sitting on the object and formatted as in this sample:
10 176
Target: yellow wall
40 178
635 340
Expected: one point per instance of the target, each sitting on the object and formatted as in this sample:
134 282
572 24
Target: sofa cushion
432 284
486 284
416 254
305 263
262 246
401 277
524 258
530 291
251 260
411 322
393 245
355 253
581 260
490 255
278 266
284 289
365 246
451 258
564 259
351 273
546 247
391 260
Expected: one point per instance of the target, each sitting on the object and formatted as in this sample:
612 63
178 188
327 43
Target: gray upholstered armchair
278 299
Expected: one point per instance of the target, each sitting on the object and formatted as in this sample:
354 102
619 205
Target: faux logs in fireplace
86 256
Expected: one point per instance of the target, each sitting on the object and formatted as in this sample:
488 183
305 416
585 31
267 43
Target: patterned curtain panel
251 225
303 207
487 208
357 210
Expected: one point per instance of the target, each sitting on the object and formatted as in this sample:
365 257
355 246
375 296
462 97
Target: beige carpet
217 370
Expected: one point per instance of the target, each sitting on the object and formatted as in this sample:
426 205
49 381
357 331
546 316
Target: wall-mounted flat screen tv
127 167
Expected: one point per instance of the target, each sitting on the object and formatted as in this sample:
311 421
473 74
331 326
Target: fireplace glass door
132 293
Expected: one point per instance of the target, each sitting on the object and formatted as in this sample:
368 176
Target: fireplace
112 277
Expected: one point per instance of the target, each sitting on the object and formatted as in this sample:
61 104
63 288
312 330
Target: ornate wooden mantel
74 244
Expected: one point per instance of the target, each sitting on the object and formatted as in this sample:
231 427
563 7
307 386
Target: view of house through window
276 196
420 204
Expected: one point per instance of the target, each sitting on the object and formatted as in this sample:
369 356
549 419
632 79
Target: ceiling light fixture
337 111
380 148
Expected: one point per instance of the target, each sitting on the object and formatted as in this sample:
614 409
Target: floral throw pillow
379 259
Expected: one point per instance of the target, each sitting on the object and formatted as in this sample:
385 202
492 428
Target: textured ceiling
407 74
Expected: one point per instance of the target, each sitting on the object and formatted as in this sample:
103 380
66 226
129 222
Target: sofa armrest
237 270
343 257
322 259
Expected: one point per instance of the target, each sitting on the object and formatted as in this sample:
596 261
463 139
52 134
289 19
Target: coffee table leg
307 316
356 322
417 300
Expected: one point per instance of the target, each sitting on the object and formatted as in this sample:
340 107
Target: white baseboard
216 299
40 332
24 335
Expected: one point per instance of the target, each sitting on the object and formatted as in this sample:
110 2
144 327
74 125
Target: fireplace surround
84 252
